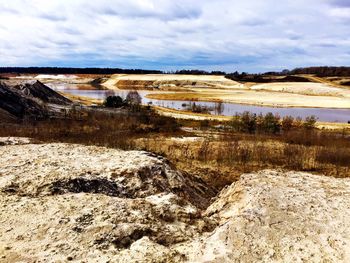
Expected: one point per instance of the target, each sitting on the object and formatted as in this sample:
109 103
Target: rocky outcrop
40 91
17 105
62 202
7 117
28 100
275 216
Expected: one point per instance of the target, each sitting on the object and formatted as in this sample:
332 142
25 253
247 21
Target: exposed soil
66 202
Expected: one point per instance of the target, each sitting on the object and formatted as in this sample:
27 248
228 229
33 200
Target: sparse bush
204 124
287 123
235 122
245 122
249 122
113 102
133 100
219 108
310 122
198 108
271 123
260 122
91 126
298 122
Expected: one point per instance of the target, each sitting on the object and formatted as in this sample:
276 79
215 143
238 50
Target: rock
275 216
145 251
69 168
94 204
42 92
28 100
17 105
14 141
7 117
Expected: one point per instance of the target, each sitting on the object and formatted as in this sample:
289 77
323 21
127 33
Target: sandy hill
304 88
27 100
15 104
164 81
62 202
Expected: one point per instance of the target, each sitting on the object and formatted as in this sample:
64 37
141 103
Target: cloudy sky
249 35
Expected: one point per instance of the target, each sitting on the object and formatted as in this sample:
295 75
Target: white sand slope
56 77
304 88
63 202
160 81
274 216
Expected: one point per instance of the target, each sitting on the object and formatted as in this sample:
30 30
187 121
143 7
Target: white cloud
342 13
249 35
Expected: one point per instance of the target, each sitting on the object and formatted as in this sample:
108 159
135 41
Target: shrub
133 98
133 101
287 123
310 122
219 108
298 122
245 122
248 121
236 122
271 123
260 122
204 124
113 102
198 108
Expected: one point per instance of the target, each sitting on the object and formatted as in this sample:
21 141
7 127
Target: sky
229 35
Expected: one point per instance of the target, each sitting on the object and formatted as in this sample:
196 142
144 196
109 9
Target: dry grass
106 128
221 160
218 156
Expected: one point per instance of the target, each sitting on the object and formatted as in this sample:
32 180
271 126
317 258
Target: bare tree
133 98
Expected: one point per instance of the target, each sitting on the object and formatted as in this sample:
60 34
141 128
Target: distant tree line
243 76
324 71
57 70
197 72
264 78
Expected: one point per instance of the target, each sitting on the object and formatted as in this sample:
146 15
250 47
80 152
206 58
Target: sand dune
166 81
307 88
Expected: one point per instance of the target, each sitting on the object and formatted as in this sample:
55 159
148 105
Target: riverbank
187 115
259 98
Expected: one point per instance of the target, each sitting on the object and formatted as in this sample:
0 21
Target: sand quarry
288 94
319 93
218 88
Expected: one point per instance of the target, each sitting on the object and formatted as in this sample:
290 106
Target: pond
226 109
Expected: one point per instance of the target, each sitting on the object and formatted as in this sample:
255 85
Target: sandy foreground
65 202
